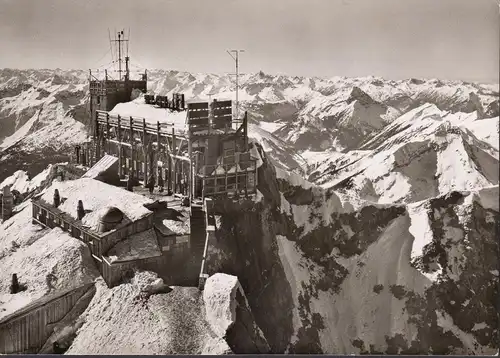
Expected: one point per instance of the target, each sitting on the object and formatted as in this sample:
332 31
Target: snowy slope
20 181
45 261
424 153
284 154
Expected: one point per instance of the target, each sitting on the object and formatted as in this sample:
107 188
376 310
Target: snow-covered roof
97 197
175 227
101 166
138 246
152 113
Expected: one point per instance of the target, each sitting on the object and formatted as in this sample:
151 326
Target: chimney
77 150
7 203
80 212
57 198
14 286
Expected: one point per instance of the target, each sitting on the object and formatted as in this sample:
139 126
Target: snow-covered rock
230 316
128 320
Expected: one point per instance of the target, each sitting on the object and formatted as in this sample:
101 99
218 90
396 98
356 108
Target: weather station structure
189 147
150 159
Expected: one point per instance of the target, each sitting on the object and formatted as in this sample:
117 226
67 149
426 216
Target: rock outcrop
230 315
323 277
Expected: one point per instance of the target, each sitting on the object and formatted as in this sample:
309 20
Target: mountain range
374 230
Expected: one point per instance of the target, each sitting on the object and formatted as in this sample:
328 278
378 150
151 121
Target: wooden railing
231 180
139 124
51 217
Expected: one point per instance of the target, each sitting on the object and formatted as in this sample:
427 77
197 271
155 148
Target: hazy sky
449 39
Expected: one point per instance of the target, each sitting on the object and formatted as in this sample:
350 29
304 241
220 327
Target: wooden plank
198 121
219 104
224 117
220 123
197 105
223 111
198 114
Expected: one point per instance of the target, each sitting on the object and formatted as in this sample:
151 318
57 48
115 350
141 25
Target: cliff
322 277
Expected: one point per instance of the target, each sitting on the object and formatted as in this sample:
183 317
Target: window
231 180
242 178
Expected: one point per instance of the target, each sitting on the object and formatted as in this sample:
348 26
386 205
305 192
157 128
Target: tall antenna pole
119 57
121 38
236 59
127 60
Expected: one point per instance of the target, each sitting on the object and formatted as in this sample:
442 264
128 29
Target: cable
135 59
107 51
110 46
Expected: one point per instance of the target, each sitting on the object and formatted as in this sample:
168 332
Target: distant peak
416 81
357 94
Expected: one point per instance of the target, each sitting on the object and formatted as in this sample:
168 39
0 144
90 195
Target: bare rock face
230 316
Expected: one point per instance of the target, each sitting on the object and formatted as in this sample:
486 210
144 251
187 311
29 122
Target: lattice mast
119 43
236 59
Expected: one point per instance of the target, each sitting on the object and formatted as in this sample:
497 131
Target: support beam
245 130
96 143
180 158
132 161
190 180
174 162
169 165
107 133
120 154
145 152
158 150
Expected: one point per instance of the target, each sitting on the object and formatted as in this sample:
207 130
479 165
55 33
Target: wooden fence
27 330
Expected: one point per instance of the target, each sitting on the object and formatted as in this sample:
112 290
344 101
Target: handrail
141 125
104 117
209 232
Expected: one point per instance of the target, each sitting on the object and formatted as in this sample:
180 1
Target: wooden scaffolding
205 156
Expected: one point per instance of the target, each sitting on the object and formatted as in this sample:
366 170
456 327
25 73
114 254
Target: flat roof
97 197
151 113
137 246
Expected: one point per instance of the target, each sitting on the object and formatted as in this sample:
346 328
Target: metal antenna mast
121 38
235 58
